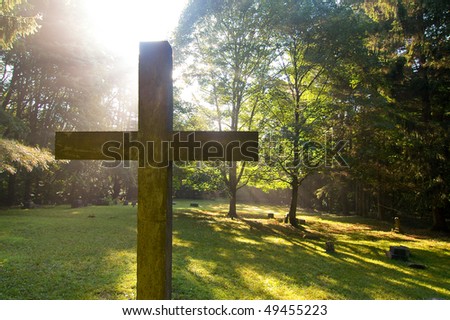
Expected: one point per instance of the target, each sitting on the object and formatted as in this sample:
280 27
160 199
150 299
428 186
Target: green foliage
229 51
227 46
59 79
373 73
402 143
14 155
203 177
319 46
13 24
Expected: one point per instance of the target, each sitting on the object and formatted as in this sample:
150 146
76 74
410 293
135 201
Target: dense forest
350 99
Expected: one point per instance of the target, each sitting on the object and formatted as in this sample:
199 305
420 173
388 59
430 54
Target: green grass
63 253
89 253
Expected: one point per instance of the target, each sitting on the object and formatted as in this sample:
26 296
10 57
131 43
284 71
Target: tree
15 22
421 88
14 155
226 47
412 44
318 44
52 80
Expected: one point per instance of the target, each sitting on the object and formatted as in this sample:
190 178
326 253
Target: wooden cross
155 146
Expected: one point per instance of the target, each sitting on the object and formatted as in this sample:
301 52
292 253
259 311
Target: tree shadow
217 259
64 254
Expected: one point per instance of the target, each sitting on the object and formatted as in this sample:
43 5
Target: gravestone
155 146
398 253
397 225
329 247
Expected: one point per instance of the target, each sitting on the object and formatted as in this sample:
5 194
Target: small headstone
396 227
270 216
329 247
133 203
194 205
398 253
125 202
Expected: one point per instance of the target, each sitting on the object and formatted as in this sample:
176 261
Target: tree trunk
363 203
116 187
232 213
439 223
344 201
380 208
367 203
232 190
360 201
7 96
27 188
294 200
11 190
357 199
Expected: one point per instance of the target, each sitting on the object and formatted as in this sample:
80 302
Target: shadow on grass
62 253
216 258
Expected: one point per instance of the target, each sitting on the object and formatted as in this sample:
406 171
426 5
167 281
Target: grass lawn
89 253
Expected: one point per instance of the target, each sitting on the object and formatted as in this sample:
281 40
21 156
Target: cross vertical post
154 236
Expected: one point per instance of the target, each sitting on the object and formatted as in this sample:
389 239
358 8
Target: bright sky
121 25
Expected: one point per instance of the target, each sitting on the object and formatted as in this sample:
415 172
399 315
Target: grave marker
396 225
398 253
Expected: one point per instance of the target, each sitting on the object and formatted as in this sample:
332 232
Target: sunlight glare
121 25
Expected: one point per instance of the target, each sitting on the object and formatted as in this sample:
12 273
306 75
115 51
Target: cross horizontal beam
184 146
